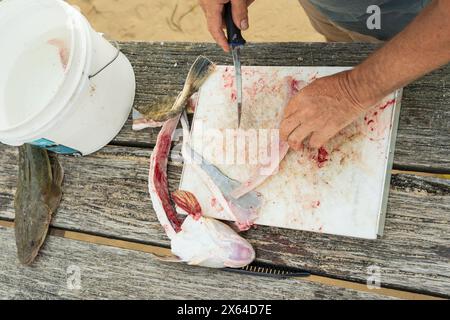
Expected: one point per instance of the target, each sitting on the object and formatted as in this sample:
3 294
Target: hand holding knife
236 42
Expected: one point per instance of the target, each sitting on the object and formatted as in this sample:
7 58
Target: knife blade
236 42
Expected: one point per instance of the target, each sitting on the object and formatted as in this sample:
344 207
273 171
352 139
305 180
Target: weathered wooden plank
107 194
113 273
424 130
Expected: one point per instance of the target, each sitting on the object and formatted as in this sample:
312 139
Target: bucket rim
79 30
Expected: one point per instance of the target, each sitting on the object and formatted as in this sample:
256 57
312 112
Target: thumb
240 13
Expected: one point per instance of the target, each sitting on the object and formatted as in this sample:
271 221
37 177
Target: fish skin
37 198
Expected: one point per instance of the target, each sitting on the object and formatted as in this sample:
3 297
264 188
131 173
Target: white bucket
62 85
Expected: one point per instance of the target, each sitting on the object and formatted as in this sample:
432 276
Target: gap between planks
395 170
164 252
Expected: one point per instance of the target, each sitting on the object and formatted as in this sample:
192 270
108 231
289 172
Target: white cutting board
343 191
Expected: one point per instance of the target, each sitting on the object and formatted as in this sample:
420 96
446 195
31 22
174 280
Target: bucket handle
117 45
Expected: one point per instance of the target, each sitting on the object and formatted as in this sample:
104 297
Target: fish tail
199 72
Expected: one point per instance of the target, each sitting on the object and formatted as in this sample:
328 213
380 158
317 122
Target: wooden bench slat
424 131
113 273
106 194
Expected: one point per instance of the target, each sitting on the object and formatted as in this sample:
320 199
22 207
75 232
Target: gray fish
37 198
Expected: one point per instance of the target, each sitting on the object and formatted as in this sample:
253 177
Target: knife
236 42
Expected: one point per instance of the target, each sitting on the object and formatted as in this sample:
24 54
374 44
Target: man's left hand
320 111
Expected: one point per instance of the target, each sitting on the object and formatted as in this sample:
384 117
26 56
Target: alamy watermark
254 147
73 280
374 20
373 277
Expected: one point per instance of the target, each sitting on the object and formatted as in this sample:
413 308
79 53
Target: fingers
320 138
214 18
292 106
240 13
288 125
291 118
297 137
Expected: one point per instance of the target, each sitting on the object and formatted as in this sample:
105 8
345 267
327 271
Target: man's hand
329 104
214 16
321 110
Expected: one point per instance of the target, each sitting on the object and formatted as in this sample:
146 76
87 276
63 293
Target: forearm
422 47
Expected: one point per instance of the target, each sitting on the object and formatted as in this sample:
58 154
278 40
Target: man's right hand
214 16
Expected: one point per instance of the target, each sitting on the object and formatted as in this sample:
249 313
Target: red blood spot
228 80
365 118
387 104
295 87
322 157
316 204
370 121
376 112
233 96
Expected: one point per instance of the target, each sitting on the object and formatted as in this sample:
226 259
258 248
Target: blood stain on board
233 96
316 204
388 104
228 79
321 157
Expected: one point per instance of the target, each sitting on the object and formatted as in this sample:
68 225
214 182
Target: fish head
210 243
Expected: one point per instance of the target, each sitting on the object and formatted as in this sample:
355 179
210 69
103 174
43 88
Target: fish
158 184
38 195
196 240
206 241
140 123
243 211
166 108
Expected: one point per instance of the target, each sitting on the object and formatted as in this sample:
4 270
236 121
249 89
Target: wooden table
106 228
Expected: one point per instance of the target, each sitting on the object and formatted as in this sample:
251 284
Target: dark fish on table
37 198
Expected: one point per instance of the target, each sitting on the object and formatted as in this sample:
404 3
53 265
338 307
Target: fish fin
165 107
57 169
188 203
57 179
199 72
160 110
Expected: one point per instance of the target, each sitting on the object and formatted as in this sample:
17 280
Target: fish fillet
197 240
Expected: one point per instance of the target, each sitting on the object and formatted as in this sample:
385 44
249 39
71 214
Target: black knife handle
233 32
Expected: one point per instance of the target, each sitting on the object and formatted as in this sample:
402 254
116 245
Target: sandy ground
183 20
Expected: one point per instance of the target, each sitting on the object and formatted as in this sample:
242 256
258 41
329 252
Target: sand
183 20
